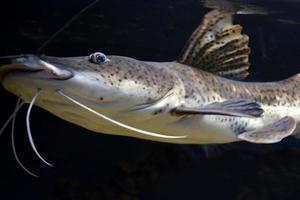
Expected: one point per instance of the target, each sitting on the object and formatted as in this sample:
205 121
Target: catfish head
78 89
96 78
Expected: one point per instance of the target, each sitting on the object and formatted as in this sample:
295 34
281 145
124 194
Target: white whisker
119 123
17 108
29 130
19 103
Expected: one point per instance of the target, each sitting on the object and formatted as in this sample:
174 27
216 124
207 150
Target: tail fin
218 46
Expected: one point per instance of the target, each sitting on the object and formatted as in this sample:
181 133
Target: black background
98 166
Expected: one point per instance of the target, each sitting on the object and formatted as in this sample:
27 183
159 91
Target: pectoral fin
271 133
238 108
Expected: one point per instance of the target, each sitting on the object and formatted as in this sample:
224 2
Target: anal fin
271 133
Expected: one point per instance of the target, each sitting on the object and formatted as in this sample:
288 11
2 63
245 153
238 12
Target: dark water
94 166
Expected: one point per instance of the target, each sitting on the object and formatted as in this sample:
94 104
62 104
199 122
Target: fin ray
238 108
216 45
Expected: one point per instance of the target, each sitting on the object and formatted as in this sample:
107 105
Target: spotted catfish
198 99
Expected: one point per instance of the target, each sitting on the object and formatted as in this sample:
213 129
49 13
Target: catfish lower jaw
7 70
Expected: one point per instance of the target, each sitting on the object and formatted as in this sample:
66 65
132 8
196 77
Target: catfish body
277 100
188 101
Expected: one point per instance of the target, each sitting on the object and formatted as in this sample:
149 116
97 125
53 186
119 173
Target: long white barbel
119 123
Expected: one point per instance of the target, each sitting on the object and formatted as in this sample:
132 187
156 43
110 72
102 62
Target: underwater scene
160 99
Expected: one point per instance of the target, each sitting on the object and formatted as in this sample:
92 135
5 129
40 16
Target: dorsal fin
218 46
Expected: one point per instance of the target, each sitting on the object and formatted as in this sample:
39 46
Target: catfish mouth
31 64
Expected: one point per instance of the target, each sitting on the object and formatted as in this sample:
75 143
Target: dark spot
157 112
101 98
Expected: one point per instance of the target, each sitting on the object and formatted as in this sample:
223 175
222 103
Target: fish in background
237 7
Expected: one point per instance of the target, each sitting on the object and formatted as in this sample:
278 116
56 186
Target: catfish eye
98 58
